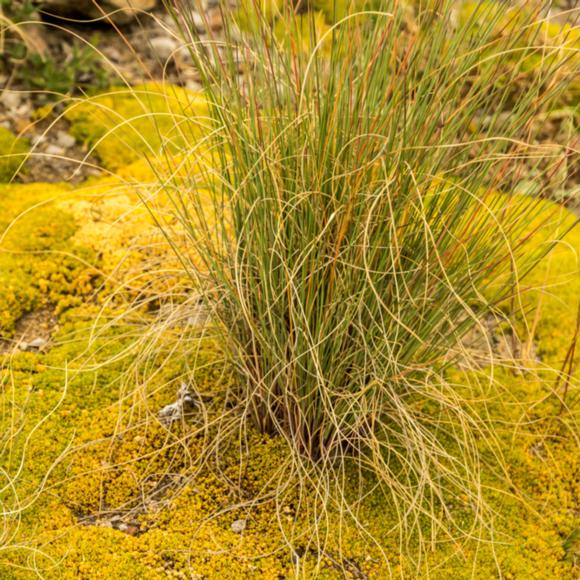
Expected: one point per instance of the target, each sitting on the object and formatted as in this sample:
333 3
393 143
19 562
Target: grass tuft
356 234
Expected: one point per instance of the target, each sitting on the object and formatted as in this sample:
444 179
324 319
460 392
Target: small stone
55 150
183 56
11 100
163 46
198 22
37 344
131 529
23 345
38 139
197 87
65 140
238 526
112 53
174 411
24 110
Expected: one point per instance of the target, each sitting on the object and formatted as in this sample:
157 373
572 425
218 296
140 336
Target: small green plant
82 71
18 10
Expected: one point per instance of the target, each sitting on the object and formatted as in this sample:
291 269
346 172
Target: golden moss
311 29
13 151
125 125
246 14
545 44
38 265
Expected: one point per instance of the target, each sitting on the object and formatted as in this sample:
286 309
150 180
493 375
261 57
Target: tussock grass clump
357 234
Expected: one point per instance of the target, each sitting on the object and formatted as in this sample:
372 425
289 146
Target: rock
198 22
55 150
112 53
11 100
194 86
119 11
37 344
38 139
238 526
215 20
163 47
65 140
174 411
131 528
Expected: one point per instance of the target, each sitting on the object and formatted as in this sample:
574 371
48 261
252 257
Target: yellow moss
335 10
13 151
549 45
38 263
310 29
151 120
249 11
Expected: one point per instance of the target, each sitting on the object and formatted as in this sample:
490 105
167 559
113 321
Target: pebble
65 140
215 20
38 139
194 85
238 526
53 149
11 100
23 111
37 344
131 529
198 22
112 54
163 46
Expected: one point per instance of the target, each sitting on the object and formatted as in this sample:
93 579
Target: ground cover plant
305 323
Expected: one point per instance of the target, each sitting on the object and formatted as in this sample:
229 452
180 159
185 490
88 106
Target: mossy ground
13 151
82 442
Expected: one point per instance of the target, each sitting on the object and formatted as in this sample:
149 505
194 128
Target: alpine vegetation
350 218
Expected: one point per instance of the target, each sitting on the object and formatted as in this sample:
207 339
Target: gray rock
38 139
164 47
238 526
199 22
11 100
37 344
65 140
54 149
174 411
